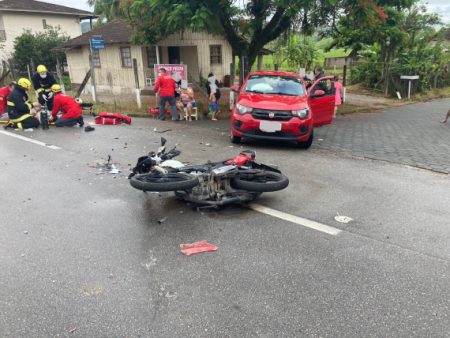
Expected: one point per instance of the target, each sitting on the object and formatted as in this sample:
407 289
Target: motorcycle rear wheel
266 182
163 182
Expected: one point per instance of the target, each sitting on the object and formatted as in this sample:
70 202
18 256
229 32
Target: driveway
410 135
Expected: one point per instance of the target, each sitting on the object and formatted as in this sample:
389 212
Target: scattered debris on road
72 330
106 167
343 219
161 131
197 247
162 220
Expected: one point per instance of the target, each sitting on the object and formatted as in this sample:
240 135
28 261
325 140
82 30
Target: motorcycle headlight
302 113
240 109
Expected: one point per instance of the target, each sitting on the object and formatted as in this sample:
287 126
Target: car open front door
321 100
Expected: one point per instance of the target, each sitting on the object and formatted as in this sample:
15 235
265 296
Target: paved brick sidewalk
410 135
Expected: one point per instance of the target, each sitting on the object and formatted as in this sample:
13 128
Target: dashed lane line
295 219
23 138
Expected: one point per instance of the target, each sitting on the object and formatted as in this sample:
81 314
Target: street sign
97 42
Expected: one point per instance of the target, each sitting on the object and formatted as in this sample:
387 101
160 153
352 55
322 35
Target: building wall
15 23
110 77
202 41
331 62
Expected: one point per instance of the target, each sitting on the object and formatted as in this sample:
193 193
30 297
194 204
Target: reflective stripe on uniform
40 90
29 105
20 119
11 104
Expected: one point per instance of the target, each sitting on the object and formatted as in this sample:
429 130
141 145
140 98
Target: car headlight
240 109
302 113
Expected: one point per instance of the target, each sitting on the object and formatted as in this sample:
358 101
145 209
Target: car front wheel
306 144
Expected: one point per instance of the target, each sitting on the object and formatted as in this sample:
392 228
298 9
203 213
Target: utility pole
91 62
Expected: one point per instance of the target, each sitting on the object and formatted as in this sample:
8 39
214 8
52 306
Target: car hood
275 102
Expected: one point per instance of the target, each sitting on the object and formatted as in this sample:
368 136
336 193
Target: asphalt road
82 254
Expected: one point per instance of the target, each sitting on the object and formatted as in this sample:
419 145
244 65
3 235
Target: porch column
260 61
157 55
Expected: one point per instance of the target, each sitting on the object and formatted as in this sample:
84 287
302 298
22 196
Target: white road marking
295 219
23 138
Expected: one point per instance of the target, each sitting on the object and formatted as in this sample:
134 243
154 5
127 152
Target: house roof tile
116 31
41 7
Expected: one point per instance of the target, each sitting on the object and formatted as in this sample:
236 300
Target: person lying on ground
18 107
187 101
71 110
446 117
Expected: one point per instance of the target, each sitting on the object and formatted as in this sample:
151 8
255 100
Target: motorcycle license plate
269 126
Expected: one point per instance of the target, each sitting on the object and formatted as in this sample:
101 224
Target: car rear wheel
306 144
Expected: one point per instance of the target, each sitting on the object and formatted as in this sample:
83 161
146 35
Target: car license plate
269 126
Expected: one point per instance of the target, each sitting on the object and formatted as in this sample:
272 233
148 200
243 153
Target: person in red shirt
166 86
4 93
71 110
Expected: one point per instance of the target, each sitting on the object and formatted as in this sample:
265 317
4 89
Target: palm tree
106 9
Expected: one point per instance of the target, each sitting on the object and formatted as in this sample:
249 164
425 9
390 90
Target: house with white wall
17 16
202 52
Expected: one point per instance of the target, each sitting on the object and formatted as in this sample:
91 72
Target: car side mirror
235 88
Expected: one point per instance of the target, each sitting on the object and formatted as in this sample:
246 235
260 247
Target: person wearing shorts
187 101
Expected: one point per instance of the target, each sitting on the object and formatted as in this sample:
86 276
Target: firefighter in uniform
70 108
18 107
43 81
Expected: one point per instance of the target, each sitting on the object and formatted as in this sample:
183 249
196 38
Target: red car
280 106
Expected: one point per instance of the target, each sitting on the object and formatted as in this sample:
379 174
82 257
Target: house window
125 54
151 56
215 52
96 58
44 23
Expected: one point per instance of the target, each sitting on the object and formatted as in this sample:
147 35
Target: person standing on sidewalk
166 86
338 89
446 117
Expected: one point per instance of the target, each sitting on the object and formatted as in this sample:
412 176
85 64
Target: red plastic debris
197 247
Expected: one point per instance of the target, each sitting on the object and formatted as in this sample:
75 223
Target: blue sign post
97 42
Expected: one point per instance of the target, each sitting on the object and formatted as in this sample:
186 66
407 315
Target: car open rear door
321 100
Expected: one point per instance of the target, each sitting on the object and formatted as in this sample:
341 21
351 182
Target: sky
441 7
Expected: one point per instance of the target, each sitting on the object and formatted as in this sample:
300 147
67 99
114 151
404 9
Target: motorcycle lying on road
234 181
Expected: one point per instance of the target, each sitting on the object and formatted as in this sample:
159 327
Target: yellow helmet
41 69
56 88
24 83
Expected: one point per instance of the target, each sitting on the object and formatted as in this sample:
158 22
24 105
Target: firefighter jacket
18 104
41 84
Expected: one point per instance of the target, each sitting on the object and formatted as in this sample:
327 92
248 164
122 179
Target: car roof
275 73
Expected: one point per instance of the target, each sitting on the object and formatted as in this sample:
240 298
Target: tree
391 26
247 25
38 48
106 9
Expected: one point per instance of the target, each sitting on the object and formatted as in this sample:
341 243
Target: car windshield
275 85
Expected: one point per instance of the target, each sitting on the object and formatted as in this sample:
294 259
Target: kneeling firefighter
43 81
71 110
18 106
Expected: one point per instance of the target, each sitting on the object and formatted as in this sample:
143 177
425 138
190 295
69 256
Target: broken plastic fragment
197 247
343 219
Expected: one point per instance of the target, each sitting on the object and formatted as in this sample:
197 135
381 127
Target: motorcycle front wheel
266 181
163 182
